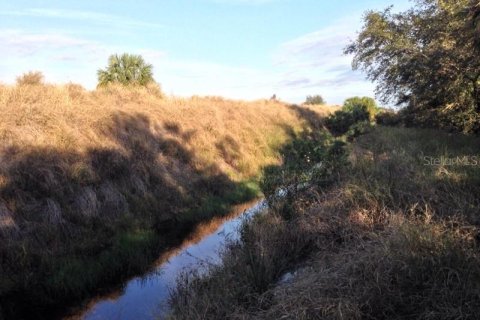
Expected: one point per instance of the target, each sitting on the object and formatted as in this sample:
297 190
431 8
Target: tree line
426 60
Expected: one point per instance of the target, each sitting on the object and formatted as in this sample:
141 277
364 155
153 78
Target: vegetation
317 99
107 179
126 69
357 104
379 222
388 117
388 236
31 78
427 59
366 219
356 111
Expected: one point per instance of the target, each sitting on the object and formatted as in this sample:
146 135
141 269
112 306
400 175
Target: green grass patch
214 206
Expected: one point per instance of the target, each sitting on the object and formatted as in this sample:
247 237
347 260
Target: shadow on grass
314 120
73 222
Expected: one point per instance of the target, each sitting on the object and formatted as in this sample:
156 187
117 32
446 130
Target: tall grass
392 238
94 183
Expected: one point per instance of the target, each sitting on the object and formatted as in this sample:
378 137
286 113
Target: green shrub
454 120
317 99
298 157
354 110
340 122
361 103
387 117
308 160
358 129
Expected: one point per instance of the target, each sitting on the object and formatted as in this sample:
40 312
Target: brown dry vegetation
392 238
93 184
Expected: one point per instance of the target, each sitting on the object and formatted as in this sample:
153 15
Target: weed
390 237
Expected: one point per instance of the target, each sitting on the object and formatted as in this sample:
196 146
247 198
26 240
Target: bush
387 118
362 103
358 129
310 159
317 99
341 121
354 110
31 78
454 120
298 157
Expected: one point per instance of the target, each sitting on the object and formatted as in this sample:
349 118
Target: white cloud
310 64
314 63
244 2
307 65
89 16
62 57
18 42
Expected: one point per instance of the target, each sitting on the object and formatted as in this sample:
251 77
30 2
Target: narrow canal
146 296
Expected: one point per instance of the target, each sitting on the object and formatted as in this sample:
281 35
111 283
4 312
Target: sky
241 49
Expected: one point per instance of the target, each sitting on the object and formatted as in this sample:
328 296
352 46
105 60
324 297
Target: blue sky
243 49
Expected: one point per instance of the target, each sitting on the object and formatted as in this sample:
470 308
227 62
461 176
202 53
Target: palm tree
127 69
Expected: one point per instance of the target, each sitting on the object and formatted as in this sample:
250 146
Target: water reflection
146 297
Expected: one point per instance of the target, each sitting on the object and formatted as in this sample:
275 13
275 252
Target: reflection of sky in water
143 297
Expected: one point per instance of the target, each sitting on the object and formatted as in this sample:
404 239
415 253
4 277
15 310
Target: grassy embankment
94 184
378 235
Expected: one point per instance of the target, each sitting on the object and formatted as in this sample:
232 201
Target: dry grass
30 78
392 239
237 135
98 177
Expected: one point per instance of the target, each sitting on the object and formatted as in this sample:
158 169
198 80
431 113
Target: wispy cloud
61 56
245 2
64 58
21 43
88 16
319 49
310 64
303 82
316 62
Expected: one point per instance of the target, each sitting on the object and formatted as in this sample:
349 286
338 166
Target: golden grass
106 179
238 136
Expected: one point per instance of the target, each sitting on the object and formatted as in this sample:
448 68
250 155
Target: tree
426 58
317 99
366 103
126 69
